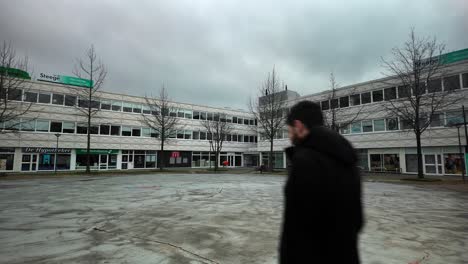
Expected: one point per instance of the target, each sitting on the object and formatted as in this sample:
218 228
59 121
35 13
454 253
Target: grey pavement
197 218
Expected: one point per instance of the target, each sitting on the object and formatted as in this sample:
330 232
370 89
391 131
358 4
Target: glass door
433 164
103 161
29 162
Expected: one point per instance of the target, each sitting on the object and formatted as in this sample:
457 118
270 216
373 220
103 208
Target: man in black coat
323 211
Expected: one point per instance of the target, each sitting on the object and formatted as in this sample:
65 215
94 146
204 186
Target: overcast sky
218 52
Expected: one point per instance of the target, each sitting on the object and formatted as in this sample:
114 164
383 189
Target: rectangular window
437 120
392 124
94 129
104 129
146 110
216 117
356 127
434 86
366 98
377 96
83 103
452 83
137 108
454 118
240 120
228 137
325 105
127 107
202 135
344 129
251 122
334 103
367 126
145 132
115 130
154 133
234 138
180 134
56 127
30 97
15 94
465 80
390 93
234 119
42 125
126 131
116 106
246 122
173 114
68 127
188 134
344 101
28 125
70 100
136 132
180 114
355 99
379 125
44 98
58 99
106 105
196 135
404 91
82 129
209 116
188 114
240 138
203 116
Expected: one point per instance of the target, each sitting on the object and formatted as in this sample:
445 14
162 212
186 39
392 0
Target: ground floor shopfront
33 159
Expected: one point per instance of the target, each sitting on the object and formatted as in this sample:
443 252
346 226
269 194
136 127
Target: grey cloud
218 52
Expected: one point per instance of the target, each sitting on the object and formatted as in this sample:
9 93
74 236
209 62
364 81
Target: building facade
52 135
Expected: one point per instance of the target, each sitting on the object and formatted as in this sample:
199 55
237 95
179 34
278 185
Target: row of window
118 106
67 127
450 83
393 124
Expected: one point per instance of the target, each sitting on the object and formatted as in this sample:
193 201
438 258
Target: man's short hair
307 112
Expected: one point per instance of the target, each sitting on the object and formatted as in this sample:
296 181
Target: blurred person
323 212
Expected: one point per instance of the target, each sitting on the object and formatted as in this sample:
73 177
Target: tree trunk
270 156
419 154
161 156
88 143
216 162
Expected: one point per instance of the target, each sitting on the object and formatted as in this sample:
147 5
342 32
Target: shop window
15 94
70 100
325 105
136 132
42 125
28 125
115 130
6 160
56 127
392 124
63 161
390 93
453 163
366 98
465 80
355 99
452 83
437 120
404 91
356 127
46 161
58 99
379 125
344 101
44 98
145 132
411 162
104 129
434 86
68 127
106 105
367 126
377 96
334 103
30 97
116 106
82 129
126 131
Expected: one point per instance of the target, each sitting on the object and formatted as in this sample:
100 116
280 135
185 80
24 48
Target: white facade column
402 155
17 159
73 159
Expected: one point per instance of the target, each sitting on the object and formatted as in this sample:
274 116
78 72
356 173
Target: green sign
68 80
15 73
455 56
97 151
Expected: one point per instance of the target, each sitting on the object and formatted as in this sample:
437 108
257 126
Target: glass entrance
103 161
29 162
433 164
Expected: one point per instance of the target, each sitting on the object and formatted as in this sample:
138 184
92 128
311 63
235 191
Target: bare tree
13 79
416 66
269 111
92 69
217 130
161 120
339 115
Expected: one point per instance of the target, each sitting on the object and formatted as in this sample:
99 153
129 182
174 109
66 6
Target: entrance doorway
433 164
